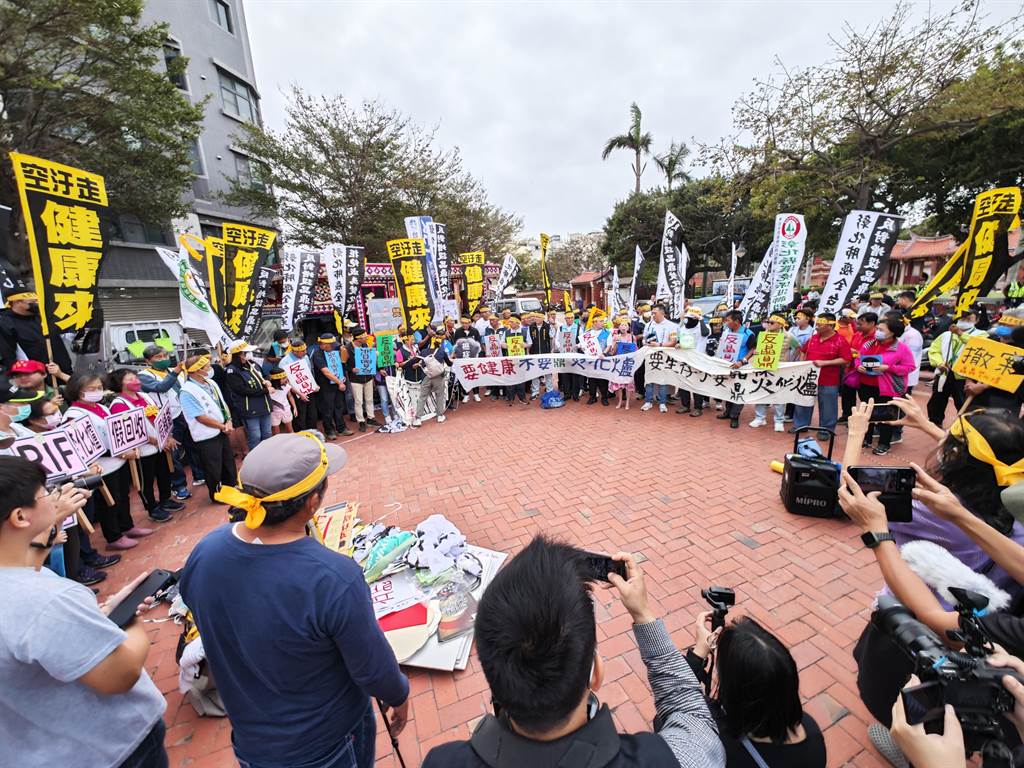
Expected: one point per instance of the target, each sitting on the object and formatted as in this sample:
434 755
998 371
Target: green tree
339 173
671 163
82 83
823 140
635 140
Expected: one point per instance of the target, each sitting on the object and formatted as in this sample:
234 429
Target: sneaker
885 745
441 419
881 450
646 406
373 422
362 426
758 422
331 436
734 423
476 398
822 435
88 576
718 406
416 424
867 442
346 432
182 493
103 561
780 426
135 532
196 482
123 543
787 419
173 506
662 408
696 413
682 409
466 399
897 437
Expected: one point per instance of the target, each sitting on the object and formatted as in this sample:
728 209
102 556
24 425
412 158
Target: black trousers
115 519
570 385
330 402
699 401
154 469
848 395
953 387
515 390
639 379
884 430
307 413
599 386
218 462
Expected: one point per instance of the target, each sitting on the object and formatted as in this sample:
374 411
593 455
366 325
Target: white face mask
964 325
92 396
53 420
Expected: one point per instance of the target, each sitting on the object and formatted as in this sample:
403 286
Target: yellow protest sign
408 262
516 346
988 361
768 350
473 276
246 251
62 207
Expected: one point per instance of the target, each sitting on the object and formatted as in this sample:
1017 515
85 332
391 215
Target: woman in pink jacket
883 368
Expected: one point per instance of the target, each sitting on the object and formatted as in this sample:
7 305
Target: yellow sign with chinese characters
516 346
768 350
408 262
473 275
62 207
990 362
245 250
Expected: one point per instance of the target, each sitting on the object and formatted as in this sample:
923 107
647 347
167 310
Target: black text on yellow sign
62 207
246 250
473 274
408 262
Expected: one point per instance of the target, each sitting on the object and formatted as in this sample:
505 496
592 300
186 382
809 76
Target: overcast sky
530 91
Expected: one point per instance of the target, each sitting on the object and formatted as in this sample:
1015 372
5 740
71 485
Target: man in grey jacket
537 643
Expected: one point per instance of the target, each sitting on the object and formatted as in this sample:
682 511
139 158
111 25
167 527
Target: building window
131 229
221 13
247 172
196 157
238 98
172 52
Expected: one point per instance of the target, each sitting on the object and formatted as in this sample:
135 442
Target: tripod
394 739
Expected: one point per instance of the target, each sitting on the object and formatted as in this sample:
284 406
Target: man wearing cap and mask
943 353
20 329
209 422
693 334
330 375
288 626
250 393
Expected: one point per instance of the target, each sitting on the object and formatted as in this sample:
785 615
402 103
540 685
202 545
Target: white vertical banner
509 270
615 307
755 300
682 262
730 289
862 255
790 239
672 280
333 259
290 258
638 259
192 302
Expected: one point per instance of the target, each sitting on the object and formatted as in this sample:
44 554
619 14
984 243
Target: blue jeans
257 429
662 393
150 753
355 751
385 402
828 409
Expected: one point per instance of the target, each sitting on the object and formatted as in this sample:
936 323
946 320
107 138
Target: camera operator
75 690
757 700
537 642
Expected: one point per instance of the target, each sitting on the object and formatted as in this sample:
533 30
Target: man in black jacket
328 370
543 670
20 328
249 393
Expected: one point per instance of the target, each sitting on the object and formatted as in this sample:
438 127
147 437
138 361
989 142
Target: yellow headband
824 322
199 364
23 296
255 514
778 319
1011 320
278 376
978 447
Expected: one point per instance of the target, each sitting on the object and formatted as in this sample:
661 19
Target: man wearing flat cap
288 625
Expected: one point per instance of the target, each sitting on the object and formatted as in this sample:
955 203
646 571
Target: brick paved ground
696 499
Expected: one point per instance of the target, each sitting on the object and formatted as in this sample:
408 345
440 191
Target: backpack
432 367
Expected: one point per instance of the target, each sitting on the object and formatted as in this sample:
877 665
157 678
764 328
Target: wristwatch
872 540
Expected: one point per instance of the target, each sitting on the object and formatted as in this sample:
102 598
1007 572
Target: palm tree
671 163
636 141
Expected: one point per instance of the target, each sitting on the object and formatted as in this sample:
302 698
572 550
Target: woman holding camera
884 366
757 700
85 393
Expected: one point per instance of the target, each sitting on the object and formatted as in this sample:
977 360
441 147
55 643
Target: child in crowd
282 402
623 342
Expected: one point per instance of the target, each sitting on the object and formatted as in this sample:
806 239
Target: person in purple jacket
884 365
287 624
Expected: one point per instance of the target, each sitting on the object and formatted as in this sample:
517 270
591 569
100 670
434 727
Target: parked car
518 306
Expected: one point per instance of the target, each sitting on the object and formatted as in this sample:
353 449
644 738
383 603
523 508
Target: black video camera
85 482
1017 364
964 680
721 599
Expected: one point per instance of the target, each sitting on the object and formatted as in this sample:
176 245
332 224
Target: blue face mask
1002 330
23 413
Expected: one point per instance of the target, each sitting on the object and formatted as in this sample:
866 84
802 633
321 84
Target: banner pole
49 358
106 494
170 460
134 467
85 522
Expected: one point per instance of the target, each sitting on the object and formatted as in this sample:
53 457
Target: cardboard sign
164 426
365 363
334 364
567 345
127 430
591 343
385 350
54 451
768 351
516 346
988 361
300 377
729 346
492 345
86 439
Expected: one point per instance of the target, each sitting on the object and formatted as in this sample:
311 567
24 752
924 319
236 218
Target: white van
517 306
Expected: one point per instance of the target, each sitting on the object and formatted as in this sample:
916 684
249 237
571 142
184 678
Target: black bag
810 486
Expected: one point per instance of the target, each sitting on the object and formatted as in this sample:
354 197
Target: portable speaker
810 486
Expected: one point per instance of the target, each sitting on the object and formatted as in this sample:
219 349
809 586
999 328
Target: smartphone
886 412
157 581
894 484
597 567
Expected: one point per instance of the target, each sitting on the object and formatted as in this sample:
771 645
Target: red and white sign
54 451
127 430
493 345
591 343
301 377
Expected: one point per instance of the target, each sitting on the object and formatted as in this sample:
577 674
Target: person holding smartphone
66 667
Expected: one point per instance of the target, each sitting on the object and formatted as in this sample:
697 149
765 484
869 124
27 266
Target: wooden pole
170 460
106 494
49 357
133 465
85 522
965 406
